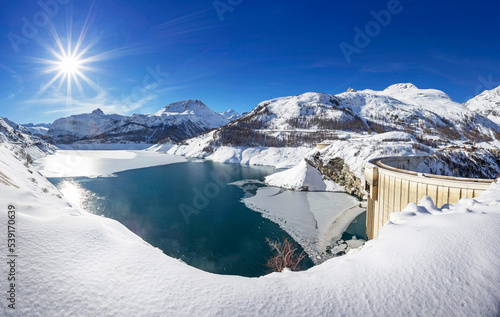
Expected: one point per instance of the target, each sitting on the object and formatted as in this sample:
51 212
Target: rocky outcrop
339 172
463 162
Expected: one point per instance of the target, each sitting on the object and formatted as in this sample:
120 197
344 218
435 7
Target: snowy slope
15 126
487 104
175 122
199 147
72 263
302 177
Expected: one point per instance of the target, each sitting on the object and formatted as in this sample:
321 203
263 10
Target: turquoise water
188 210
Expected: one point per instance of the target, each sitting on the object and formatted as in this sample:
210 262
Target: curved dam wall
391 186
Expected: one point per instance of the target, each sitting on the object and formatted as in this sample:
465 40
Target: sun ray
89 82
77 83
84 30
47 85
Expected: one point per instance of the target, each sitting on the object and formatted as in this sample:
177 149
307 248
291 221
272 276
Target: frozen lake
74 163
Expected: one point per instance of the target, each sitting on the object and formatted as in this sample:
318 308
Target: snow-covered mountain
304 120
231 114
174 123
25 145
355 126
194 111
487 104
39 129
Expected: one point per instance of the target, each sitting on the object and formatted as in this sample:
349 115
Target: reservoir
213 216
187 210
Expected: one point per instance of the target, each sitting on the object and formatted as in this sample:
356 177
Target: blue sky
143 55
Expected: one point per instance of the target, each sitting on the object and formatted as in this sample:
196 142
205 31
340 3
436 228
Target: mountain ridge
173 123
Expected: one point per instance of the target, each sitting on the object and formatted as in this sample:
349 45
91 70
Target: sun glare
69 65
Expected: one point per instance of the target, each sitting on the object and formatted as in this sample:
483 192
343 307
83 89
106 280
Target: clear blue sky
240 53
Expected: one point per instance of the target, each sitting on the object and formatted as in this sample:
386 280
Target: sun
69 65
70 61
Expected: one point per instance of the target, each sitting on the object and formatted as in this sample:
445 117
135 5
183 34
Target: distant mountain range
173 123
39 129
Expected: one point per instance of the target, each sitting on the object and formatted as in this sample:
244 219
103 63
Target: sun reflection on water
77 195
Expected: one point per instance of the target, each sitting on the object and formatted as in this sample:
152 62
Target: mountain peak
487 104
402 86
231 114
193 110
98 111
181 106
351 90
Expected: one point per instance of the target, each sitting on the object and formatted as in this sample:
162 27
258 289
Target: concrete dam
391 185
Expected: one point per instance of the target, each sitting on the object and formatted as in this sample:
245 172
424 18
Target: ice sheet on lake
72 163
313 219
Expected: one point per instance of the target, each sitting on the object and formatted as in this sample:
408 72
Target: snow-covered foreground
69 163
426 262
314 219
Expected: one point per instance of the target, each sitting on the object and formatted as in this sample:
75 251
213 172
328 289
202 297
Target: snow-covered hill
487 104
175 122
